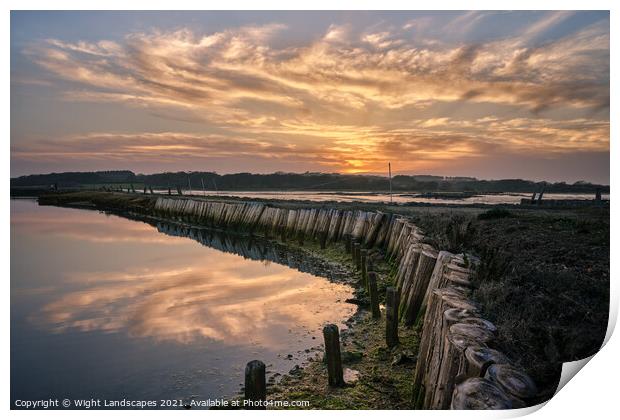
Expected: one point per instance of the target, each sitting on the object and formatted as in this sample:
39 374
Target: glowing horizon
484 94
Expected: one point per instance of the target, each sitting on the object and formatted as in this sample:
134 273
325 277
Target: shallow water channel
107 307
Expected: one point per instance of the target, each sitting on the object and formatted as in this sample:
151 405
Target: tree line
299 181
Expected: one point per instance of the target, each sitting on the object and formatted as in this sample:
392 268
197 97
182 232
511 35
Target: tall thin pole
390 178
189 183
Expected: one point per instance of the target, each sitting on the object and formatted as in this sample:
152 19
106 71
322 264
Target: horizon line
318 173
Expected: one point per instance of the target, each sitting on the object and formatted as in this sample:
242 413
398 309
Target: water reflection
248 247
82 281
222 300
209 293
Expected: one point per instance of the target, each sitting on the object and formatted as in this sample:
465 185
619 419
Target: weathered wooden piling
406 271
479 394
347 243
391 316
374 295
369 265
364 267
332 354
255 386
479 359
418 285
357 255
447 368
434 330
323 240
518 385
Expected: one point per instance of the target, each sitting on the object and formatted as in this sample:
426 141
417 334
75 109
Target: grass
381 385
543 280
495 213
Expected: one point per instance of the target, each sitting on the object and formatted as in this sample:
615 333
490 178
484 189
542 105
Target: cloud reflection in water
181 293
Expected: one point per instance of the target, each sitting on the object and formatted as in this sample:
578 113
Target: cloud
222 69
409 145
337 98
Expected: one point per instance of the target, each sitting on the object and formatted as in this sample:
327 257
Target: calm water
106 307
400 198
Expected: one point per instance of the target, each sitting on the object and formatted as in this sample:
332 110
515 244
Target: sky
489 94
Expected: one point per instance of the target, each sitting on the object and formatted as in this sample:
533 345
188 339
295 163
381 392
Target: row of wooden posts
146 189
457 366
255 381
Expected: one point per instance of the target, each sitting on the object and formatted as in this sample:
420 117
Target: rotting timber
455 352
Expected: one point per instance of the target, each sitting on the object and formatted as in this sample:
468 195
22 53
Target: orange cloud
345 101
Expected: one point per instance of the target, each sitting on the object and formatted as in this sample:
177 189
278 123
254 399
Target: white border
592 394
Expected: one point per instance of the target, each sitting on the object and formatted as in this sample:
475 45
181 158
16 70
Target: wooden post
369 266
391 316
374 296
323 239
255 385
414 298
514 382
151 189
479 394
452 360
478 359
434 330
363 262
356 255
390 178
352 246
332 354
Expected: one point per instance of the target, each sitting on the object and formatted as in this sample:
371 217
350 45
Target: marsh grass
543 280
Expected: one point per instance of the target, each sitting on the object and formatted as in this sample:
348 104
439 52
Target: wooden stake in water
255 385
332 354
392 302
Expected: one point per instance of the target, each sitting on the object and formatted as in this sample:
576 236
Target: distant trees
303 181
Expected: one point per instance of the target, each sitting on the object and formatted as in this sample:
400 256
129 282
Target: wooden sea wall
324 224
457 365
